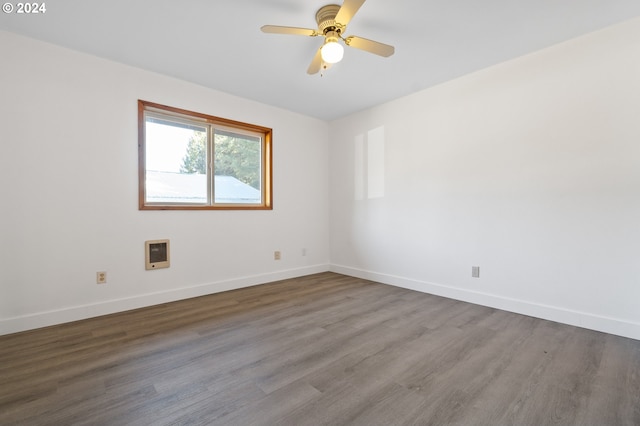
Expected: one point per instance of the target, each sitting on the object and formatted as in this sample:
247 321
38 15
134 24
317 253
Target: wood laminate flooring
324 349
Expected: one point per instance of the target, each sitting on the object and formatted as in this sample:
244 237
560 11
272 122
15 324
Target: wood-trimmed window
193 161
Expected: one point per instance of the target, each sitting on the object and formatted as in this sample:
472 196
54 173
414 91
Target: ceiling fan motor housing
325 17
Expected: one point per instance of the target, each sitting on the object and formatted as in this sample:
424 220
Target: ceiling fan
332 22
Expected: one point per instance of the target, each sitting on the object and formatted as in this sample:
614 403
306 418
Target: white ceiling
218 44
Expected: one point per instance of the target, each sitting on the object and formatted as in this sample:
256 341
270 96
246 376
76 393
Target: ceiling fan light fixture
332 51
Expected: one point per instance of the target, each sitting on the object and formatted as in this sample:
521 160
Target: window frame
265 133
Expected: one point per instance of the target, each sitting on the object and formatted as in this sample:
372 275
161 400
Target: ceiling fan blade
370 46
275 29
316 64
348 9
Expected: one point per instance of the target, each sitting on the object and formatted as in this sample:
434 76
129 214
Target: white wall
529 169
68 133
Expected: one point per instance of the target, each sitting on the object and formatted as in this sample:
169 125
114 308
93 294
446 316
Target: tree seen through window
235 155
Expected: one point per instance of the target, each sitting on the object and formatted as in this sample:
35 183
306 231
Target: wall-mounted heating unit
156 254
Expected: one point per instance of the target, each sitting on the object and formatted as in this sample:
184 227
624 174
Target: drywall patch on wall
375 163
358 167
369 164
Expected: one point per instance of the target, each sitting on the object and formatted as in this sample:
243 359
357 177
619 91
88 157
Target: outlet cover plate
475 272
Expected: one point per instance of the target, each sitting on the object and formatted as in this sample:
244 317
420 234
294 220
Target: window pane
176 161
237 168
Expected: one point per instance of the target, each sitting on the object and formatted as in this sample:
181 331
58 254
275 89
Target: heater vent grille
156 254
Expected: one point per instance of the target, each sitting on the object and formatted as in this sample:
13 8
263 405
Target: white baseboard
75 313
552 313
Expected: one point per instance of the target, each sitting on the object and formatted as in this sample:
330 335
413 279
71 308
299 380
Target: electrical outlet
101 277
276 255
475 272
